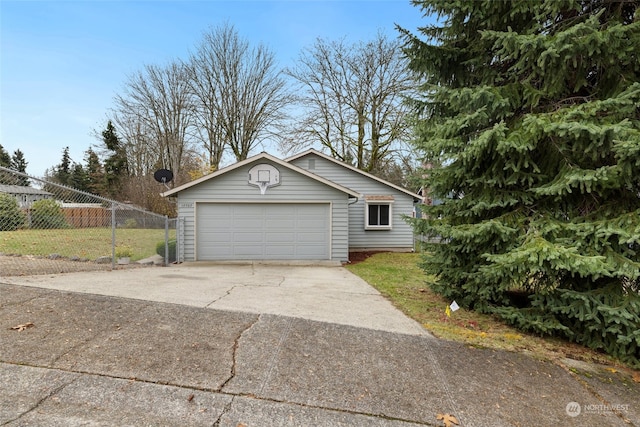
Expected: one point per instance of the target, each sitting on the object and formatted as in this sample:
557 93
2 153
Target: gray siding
294 187
401 234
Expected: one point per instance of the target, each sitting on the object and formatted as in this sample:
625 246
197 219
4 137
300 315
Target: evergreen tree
18 163
5 158
79 178
5 161
115 165
62 172
531 109
95 173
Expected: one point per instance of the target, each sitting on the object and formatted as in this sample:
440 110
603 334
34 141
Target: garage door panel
309 237
246 223
279 251
309 223
241 251
305 252
221 222
263 231
281 237
277 223
244 237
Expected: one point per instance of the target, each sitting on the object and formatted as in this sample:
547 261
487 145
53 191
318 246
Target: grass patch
398 277
89 243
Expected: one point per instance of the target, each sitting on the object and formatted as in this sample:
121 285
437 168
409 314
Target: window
378 213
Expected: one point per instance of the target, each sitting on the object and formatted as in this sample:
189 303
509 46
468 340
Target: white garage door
252 231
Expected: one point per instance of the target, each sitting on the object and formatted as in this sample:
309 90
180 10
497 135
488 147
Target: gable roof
261 156
353 168
21 189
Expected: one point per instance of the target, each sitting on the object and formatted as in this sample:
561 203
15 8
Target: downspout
355 200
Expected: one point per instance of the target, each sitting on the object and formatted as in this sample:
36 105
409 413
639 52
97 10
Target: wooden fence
88 217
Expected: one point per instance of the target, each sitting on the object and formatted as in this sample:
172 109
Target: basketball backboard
264 176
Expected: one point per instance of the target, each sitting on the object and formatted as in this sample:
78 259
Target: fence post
113 235
166 240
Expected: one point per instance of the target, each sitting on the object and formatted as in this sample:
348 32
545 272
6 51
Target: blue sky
62 62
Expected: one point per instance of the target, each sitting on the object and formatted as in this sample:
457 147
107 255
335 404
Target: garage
262 208
263 231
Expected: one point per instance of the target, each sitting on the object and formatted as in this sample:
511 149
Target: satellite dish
163 176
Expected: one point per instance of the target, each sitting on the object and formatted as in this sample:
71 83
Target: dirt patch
356 257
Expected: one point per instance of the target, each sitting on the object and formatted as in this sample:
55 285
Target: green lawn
88 243
398 277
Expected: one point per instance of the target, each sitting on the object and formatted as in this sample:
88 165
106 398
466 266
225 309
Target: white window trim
366 214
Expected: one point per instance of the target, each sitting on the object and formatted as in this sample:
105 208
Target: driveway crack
42 400
236 344
72 349
226 294
224 411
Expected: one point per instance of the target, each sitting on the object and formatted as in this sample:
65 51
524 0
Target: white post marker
451 307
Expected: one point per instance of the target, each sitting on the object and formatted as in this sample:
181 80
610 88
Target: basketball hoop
263 186
264 176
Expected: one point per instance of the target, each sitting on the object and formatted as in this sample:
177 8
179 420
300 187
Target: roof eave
353 168
252 159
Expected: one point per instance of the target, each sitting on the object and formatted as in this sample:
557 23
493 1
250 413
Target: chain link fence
49 228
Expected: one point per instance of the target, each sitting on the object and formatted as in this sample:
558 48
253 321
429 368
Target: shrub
46 213
131 223
172 249
11 217
124 252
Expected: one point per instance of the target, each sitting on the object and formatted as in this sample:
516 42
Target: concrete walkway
95 357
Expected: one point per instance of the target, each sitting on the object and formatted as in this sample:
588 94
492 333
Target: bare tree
136 139
158 108
353 99
240 95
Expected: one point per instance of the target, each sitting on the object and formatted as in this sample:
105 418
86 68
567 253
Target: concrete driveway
326 293
265 345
